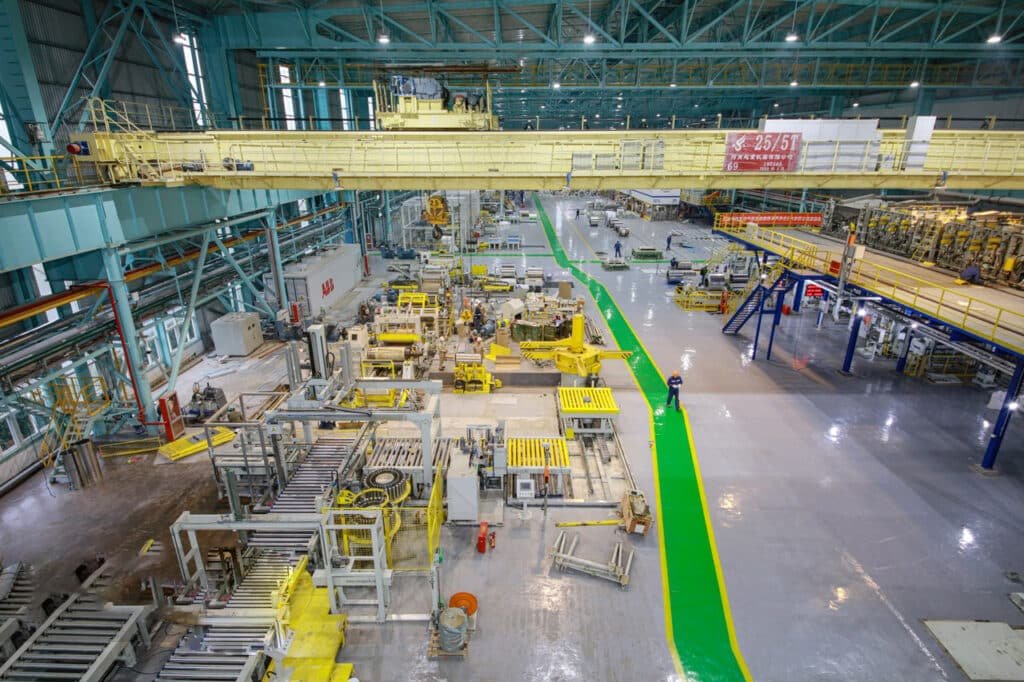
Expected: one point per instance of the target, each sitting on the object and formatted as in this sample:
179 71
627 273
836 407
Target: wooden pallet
434 649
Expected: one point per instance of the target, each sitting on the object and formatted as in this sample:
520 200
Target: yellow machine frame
572 355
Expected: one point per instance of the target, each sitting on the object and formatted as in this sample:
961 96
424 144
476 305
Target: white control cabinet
236 333
463 490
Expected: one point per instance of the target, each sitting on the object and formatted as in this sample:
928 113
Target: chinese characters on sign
771 219
762 152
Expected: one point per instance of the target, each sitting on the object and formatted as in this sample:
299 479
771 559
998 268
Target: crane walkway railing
981 318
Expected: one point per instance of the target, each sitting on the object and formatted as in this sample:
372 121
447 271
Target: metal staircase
752 303
76 406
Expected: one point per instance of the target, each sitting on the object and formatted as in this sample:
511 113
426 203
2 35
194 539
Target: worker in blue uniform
971 274
674 382
618 249
668 243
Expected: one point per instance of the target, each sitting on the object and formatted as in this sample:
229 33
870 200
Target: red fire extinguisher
481 538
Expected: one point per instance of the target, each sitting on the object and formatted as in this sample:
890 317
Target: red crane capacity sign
762 152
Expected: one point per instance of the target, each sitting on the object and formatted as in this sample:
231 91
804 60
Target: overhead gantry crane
540 160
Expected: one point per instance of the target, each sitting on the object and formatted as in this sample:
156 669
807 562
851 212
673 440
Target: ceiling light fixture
589 39
856 104
556 85
776 105
792 37
671 85
383 38
914 84
994 38
793 84
321 84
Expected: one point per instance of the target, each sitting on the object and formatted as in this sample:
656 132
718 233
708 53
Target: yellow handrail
981 318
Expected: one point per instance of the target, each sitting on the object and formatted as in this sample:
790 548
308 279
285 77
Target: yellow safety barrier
191 445
586 401
974 315
529 453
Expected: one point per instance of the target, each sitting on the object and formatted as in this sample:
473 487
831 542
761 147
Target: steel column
851 345
757 332
132 353
901 364
276 269
798 296
246 280
776 319
1007 410
197 277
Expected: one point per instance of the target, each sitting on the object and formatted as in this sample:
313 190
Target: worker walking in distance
674 382
618 249
577 214
668 243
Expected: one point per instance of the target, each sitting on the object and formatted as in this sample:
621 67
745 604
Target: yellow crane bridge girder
538 160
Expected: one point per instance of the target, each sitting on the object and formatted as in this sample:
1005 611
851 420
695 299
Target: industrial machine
573 355
205 401
423 103
647 253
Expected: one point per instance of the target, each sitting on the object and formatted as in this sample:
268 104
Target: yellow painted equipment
572 401
572 355
399 338
436 213
580 524
494 284
478 271
191 445
529 453
533 160
397 111
389 398
473 377
416 299
316 633
497 350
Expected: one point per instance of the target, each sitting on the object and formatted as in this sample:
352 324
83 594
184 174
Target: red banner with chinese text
770 219
762 152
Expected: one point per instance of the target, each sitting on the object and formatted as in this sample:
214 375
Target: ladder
752 304
927 239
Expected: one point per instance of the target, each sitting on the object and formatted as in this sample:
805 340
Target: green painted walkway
698 621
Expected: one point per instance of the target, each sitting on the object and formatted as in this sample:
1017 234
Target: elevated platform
587 402
983 314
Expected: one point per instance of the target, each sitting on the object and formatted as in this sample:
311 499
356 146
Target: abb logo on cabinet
771 219
762 152
327 287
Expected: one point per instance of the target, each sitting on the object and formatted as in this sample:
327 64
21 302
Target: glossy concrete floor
845 511
845 508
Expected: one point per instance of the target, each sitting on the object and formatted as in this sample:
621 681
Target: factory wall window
370 114
8 179
26 428
43 286
194 70
287 95
346 117
6 433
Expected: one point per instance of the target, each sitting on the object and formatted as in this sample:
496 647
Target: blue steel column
757 332
387 216
776 319
996 439
798 296
132 352
901 364
852 344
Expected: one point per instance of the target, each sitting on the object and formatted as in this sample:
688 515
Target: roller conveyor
404 454
83 639
313 475
19 600
223 651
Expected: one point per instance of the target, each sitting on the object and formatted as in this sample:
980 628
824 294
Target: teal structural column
274 251
132 352
19 85
387 216
222 92
163 346
321 109
924 102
